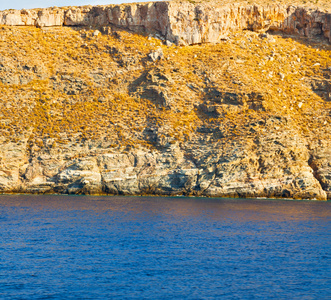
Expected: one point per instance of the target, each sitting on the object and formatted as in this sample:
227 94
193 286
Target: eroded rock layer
182 22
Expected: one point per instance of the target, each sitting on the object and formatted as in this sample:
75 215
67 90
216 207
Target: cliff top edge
320 4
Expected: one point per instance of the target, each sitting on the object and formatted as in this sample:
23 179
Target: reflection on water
77 247
240 209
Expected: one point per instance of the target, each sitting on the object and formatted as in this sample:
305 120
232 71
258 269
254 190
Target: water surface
67 247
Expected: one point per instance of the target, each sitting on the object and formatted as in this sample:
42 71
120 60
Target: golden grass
83 89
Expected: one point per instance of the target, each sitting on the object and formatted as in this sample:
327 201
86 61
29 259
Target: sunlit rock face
88 107
181 21
208 23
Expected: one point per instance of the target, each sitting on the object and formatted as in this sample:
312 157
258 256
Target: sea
86 247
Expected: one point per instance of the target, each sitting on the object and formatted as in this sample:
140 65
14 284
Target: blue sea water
79 247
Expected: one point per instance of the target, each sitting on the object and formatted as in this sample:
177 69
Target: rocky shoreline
87 106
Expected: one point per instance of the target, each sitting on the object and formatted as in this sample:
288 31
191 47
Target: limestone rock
80 177
182 22
96 33
156 55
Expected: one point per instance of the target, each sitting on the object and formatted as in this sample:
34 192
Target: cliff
183 22
112 100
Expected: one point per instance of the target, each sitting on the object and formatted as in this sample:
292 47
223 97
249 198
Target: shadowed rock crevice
154 86
319 165
322 85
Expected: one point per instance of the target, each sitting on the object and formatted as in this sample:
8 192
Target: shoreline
165 196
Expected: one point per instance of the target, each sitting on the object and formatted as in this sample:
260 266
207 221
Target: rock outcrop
182 22
277 168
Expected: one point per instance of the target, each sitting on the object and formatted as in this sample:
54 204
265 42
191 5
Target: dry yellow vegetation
71 84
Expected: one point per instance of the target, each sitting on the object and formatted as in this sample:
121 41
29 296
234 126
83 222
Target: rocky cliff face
209 23
182 22
86 111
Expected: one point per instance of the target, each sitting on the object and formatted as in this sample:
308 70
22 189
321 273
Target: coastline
110 196
210 103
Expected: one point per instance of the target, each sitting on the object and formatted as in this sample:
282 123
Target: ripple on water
62 247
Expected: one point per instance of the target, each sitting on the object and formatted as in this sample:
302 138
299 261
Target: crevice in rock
314 167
